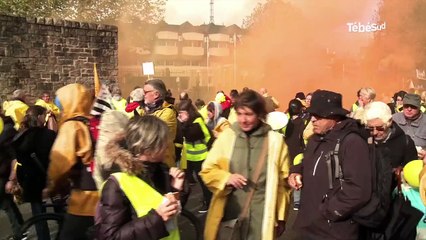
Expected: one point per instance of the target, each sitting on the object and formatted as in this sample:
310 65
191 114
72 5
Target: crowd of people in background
123 168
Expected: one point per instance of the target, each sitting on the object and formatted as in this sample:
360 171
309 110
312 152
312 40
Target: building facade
187 57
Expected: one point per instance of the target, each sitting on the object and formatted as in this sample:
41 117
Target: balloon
277 120
411 172
1 125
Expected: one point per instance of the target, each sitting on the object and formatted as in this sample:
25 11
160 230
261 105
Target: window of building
163 42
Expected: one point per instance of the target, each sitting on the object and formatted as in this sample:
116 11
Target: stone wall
44 54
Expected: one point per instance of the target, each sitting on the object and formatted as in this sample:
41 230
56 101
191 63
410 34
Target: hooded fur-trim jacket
118 219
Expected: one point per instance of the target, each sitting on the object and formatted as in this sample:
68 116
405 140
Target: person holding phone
141 201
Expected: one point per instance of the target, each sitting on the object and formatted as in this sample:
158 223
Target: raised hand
178 177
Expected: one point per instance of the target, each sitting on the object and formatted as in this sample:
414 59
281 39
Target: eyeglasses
378 128
148 91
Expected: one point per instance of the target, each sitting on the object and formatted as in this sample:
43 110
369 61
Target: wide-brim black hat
326 104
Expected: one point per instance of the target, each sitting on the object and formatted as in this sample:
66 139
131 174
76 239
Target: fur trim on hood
128 163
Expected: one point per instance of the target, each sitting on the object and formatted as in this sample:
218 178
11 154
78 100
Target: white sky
197 12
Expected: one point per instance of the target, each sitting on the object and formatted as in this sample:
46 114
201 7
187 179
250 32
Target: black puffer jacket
116 218
323 213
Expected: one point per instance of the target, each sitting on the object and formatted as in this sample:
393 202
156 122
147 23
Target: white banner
148 68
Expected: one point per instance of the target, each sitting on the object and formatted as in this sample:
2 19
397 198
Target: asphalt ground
193 205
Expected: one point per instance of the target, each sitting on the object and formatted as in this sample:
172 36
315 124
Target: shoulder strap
85 120
332 159
256 175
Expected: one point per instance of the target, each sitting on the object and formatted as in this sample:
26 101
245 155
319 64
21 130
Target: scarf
152 107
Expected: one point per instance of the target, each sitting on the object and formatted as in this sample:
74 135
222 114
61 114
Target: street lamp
233 40
207 41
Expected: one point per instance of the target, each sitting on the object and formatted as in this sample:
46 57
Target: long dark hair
31 117
186 105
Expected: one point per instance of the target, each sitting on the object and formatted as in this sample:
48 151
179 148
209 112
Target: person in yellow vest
197 141
17 107
52 114
142 200
46 102
118 102
202 108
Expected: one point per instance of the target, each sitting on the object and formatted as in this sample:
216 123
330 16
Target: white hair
377 110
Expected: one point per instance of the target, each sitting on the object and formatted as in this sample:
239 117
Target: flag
96 80
411 85
102 102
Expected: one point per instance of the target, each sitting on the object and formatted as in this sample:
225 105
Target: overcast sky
197 12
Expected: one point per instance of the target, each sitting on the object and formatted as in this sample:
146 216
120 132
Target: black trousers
195 167
9 206
76 227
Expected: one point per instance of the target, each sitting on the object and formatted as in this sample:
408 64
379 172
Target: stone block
44 86
58 22
23 73
41 20
54 77
5 68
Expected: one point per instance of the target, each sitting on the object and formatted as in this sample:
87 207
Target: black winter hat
326 103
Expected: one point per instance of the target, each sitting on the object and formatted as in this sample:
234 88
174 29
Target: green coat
232 146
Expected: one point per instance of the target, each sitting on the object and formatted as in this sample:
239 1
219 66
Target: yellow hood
76 100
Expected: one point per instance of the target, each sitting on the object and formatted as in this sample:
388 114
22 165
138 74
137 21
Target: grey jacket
415 129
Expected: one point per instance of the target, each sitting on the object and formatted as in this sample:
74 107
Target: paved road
193 205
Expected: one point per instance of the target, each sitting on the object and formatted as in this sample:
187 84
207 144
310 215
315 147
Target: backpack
84 172
374 212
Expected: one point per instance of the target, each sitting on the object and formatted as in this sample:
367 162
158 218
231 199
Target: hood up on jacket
211 123
76 100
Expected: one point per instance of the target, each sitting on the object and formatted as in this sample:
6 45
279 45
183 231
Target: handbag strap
256 175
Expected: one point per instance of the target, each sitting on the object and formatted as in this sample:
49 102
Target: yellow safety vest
119 105
197 151
144 198
354 107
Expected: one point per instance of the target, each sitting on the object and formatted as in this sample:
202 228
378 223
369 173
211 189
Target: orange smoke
306 45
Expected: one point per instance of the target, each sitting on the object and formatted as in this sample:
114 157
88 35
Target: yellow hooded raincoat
73 144
215 173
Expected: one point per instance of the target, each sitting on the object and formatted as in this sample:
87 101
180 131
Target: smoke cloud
306 45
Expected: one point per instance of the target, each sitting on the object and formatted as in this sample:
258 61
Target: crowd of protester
125 167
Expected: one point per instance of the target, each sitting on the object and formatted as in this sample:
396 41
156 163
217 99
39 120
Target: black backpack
374 212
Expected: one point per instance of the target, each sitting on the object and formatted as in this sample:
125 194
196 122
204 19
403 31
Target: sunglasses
378 128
